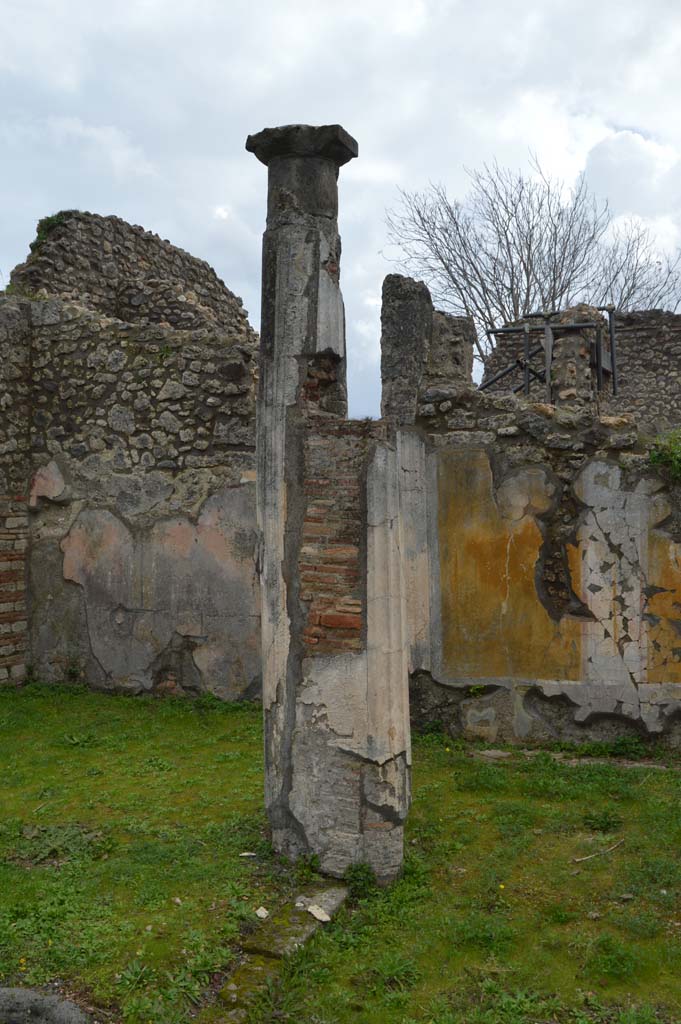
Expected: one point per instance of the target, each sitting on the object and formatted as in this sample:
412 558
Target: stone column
302 314
336 720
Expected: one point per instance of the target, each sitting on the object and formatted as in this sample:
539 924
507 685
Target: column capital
329 141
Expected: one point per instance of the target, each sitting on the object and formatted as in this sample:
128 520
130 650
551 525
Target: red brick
339 553
340 620
315 530
14 616
9 655
12 576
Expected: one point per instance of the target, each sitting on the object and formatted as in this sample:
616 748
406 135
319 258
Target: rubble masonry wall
139 464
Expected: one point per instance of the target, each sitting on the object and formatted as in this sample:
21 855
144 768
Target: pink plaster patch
48 483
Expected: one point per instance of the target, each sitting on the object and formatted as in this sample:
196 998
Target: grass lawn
121 825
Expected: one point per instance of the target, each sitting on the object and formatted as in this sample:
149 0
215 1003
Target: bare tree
519 244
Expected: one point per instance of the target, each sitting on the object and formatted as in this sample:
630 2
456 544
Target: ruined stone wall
140 453
649 365
648 347
123 271
136 395
522 557
544 558
420 347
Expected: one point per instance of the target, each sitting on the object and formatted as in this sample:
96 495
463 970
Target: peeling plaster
48 482
492 627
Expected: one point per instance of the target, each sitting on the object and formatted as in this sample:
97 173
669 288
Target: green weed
666 453
361 882
392 971
608 957
46 225
59 844
488 932
604 820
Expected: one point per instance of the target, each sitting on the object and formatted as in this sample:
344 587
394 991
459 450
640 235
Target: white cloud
561 137
639 175
103 143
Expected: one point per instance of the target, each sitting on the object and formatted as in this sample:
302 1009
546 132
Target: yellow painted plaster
664 639
493 623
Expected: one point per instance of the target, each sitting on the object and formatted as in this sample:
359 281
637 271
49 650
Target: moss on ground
121 826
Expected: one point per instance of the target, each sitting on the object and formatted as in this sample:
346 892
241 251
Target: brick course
13 615
332 559
14 473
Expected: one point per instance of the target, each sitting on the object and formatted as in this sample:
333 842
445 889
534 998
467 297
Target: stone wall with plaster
139 461
544 569
421 347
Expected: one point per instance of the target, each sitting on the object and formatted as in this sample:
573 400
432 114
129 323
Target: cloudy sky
141 108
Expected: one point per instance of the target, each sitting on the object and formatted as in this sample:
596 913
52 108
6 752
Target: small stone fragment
262 913
318 913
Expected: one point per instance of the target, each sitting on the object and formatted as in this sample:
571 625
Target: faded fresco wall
140 465
623 567
558 568
543 556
